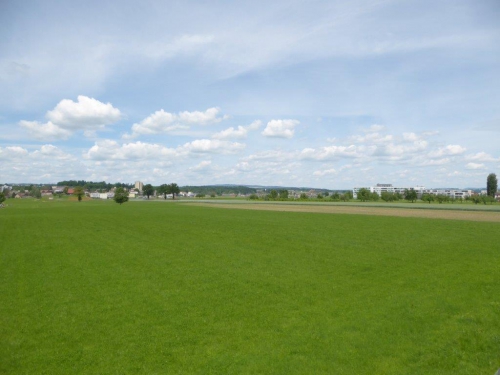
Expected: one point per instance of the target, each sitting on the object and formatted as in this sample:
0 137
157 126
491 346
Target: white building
388 188
451 193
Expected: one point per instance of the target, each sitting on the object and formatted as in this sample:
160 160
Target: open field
433 212
168 287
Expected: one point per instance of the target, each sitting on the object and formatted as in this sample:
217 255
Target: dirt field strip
381 211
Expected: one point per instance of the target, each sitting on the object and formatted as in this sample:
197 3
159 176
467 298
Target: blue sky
330 94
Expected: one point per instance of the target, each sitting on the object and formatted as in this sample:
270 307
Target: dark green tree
411 195
174 189
491 185
121 196
2 197
273 194
428 198
283 194
148 190
78 192
303 196
35 192
364 194
163 190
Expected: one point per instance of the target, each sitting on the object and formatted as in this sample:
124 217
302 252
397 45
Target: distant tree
65 190
476 198
200 195
410 195
319 196
389 197
78 192
174 189
335 196
327 194
491 185
273 194
374 196
441 198
148 190
163 190
2 197
35 192
254 196
428 198
121 196
283 194
303 196
348 195
363 194
212 194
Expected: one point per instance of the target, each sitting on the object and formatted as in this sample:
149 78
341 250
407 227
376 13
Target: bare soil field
381 211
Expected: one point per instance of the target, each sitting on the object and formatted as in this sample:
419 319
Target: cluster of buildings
421 190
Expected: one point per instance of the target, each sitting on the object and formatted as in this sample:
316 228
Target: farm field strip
402 211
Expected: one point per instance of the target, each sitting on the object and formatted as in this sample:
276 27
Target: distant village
378 191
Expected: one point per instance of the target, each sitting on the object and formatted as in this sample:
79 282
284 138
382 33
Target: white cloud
330 152
47 131
475 166
112 150
240 133
87 114
202 165
325 172
280 128
12 153
166 122
450 150
481 156
213 146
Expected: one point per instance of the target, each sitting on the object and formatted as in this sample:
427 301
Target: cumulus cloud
475 166
112 150
202 165
45 132
166 122
482 157
330 152
325 172
213 146
12 153
280 128
450 150
239 133
86 114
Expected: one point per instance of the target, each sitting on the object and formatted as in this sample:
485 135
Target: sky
326 94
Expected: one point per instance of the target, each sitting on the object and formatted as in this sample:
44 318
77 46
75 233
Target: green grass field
163 287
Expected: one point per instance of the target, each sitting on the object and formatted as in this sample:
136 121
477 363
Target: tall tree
491 185
78 192
364 194
163 190
148 190
174 189
121 196
2 197
411 195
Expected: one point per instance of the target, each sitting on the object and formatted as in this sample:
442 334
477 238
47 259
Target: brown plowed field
402 212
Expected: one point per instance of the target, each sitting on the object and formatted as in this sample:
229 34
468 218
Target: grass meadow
164 287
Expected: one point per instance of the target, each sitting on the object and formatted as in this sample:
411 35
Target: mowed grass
161 287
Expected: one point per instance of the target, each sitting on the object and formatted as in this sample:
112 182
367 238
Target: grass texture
162 287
